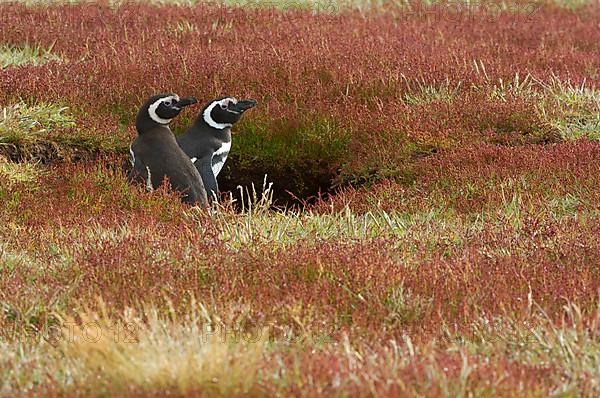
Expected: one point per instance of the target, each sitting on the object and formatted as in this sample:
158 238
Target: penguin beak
185 102
242 105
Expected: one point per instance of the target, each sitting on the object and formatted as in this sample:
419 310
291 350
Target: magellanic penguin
155 153
208 141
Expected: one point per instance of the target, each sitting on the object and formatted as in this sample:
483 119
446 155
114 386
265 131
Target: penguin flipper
140 173
135 175
204 166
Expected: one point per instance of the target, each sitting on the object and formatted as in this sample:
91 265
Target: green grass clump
47 130
29 127
575 128
19 172
25 55
423 93
22 123
291 142
571 111
579 111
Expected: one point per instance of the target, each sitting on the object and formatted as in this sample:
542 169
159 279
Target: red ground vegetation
483 177
473 208
524 246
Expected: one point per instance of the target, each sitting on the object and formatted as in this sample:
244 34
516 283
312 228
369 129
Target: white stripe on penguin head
152 109
234 100
208 118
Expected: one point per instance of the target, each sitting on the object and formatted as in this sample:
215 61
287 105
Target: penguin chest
219 157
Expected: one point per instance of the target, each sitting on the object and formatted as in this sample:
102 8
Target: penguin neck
143 124
152 127
223 135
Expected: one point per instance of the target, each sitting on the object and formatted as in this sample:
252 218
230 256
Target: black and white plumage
155 153
208 141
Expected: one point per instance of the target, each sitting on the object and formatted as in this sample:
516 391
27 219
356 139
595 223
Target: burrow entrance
293 187
47 153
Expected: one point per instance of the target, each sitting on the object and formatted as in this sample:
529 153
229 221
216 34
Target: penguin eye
223 106
168 102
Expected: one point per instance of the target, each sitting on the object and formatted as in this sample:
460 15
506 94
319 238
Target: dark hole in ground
46 153
293 186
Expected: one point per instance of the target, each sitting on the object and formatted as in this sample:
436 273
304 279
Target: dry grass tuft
571 349
154 352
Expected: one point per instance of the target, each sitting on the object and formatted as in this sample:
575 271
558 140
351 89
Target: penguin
208 141
155 153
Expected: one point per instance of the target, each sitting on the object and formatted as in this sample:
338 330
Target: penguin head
222 113
160 109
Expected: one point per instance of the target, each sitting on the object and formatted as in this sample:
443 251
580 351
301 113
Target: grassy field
429 223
